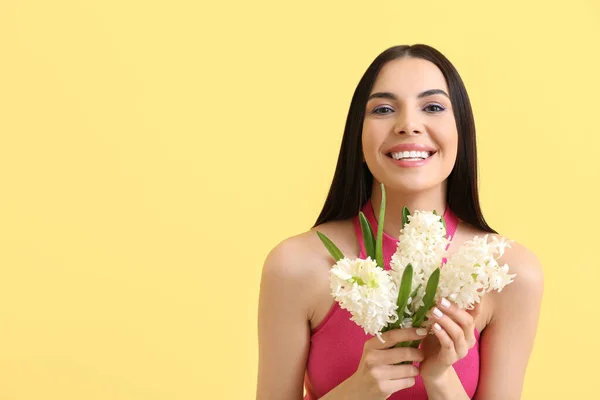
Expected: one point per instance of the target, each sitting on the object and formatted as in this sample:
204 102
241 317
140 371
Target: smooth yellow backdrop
153 152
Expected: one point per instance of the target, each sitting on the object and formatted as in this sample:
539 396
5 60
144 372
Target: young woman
410 126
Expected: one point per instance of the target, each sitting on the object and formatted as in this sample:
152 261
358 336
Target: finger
395 336
397 371
399 354
476 312
446 343
392 386
454 330
463 318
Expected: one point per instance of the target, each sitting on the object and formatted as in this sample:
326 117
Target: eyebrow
392 96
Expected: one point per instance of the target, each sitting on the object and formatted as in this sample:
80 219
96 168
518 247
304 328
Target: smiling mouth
411 155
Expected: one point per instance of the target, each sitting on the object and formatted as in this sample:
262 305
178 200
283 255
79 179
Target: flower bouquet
380 300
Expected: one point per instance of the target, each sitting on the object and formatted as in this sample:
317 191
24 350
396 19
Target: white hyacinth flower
366 291
422 243
473 271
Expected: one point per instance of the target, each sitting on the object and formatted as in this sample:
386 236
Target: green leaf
332 248
379 242
430 290
405 214
404 291
368 238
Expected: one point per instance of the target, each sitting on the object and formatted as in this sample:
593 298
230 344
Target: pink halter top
336 344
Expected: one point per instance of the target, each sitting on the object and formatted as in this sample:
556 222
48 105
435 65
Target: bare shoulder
303 259
524 263
303 254
298 268
526 291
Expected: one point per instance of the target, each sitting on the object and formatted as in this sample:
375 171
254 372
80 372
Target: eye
376 110
440 108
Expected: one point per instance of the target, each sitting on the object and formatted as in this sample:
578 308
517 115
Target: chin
413 185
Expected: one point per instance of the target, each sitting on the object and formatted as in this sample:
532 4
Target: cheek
367 142
455 145
373 135
451 151
367 146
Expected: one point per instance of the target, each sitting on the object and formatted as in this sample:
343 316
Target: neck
395 200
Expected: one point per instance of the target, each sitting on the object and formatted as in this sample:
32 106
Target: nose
408 122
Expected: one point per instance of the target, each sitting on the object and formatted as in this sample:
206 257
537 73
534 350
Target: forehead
408 77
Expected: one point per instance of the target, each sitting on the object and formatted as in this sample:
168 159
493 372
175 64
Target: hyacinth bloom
473 271
365 290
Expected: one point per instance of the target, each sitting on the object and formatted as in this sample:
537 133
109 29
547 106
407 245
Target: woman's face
407 107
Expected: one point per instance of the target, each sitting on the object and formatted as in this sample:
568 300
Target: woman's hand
376 376
454 331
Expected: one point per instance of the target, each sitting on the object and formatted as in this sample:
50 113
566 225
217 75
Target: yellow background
153 152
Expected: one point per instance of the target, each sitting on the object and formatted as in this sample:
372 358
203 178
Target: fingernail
437 312
421 331
445 303
437 326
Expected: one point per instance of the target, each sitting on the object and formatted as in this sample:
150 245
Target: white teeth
410 154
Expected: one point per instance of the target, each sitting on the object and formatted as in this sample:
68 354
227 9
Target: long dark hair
353 182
